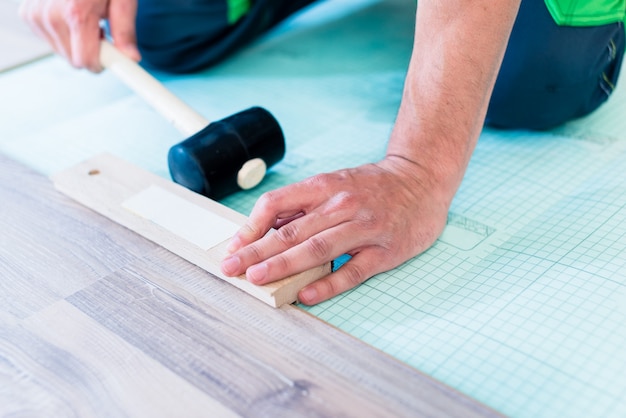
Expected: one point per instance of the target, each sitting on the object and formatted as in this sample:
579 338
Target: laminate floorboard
97 321
50 246
97 374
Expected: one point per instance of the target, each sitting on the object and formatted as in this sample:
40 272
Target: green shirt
564 12
587 12
237 9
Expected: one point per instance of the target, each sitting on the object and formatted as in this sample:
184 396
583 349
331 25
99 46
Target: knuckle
318 180
75 14
250 230
319 247
288 234
368 218
324 180
50 23
330 289
353 275
346 278
267 201
345 200
282 264
253 253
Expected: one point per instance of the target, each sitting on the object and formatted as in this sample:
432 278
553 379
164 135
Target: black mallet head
228 155
219 158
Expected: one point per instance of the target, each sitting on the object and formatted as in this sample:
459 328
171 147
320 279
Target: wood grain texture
292 361
44 232
100 374
105 182
142 332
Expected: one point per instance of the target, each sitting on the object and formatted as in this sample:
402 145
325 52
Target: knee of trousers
552 74
184 36
175 36
548 96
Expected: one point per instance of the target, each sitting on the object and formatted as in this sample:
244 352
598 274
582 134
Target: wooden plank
48 371
253 359
50 247
159 327
107 184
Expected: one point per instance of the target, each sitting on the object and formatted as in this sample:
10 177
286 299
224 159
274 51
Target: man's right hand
72 27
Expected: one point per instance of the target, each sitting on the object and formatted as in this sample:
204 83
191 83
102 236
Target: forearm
457 52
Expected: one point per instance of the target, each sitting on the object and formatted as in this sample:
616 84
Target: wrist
424 178
439 160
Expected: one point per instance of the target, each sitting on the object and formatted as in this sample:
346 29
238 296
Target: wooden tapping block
190 225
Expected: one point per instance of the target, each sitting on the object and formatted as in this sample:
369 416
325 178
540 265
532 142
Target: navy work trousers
550 73
182 36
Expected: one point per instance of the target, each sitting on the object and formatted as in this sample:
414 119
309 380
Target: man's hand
72 27
381 214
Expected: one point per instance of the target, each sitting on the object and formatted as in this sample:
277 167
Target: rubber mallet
218 158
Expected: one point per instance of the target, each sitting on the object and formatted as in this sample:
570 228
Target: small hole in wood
94 172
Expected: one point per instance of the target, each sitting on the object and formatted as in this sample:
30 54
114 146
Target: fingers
381 217
84 39
73 30
313 222
324 246
274 209
45 22
294 248
359 268
122 14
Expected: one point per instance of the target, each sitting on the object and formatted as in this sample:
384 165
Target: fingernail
257 273
230 265
308 295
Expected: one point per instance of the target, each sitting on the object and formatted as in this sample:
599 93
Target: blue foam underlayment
521 304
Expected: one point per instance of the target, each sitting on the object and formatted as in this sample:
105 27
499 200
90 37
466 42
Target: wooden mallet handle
183 117
217 158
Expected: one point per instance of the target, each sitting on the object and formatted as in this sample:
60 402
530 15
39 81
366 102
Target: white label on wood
181 217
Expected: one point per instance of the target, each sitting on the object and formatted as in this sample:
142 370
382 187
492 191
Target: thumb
122 15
